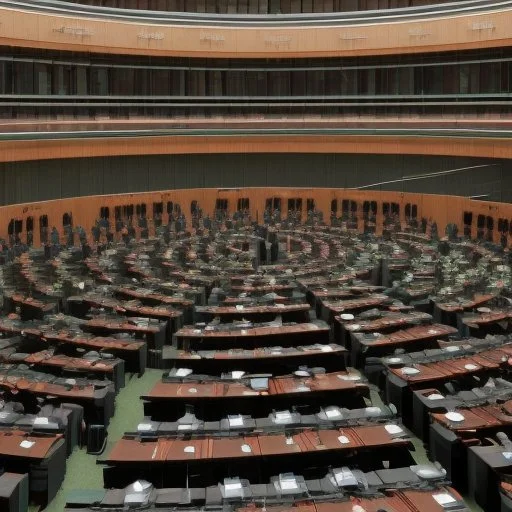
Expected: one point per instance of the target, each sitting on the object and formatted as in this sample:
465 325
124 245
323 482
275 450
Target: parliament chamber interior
255 255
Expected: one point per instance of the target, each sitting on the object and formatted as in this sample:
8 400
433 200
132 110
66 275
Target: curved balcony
54 140
262 7
66 26
94 10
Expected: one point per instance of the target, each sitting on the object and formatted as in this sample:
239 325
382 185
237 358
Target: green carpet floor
84 473
82 470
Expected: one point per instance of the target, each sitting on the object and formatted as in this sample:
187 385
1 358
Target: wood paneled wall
435 34
86 210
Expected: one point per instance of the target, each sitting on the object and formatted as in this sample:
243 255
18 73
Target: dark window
67 219
369 209
43 228
411 211
353 206
140 210
334 206
193 207
490 223
273 203
158 208
366 210
170 207
310 204
243 203
345 206
385 208
294 205
395 208
221 204
480 222
128 210
104 212
30 230
468 218
15 227
117 213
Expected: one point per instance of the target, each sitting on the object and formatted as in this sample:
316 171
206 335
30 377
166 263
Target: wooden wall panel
85 211
483 30
486 147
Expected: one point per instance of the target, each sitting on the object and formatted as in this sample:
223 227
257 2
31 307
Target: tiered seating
408 488
255 343
257 393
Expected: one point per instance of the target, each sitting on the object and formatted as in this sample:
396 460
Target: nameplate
74 31
212 39
483 25
155 36
279 41
419 33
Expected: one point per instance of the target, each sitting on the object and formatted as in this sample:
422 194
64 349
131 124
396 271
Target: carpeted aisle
82 470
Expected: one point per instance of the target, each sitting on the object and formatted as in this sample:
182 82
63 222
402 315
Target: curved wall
466 143
488 220
260 6
23 182
67 32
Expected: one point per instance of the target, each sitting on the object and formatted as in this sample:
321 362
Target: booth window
43 228
158 208
411 211
243 203
334 206
221 205
310 205
273 203
67 220
104 212
369 209
128 210
158 211
140 210
294 205
30 230
15 227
